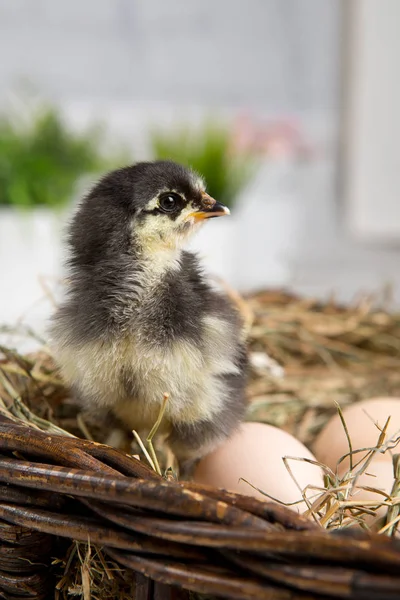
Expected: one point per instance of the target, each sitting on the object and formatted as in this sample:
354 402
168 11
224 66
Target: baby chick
140 319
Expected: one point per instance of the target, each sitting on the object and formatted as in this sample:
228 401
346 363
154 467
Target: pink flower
275 138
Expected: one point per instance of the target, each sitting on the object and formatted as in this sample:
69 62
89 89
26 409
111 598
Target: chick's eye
169 202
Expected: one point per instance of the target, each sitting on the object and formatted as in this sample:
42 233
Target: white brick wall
278 55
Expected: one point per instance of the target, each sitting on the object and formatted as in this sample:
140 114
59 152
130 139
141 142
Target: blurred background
289 108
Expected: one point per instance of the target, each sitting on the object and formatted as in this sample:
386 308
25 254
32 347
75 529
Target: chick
140 319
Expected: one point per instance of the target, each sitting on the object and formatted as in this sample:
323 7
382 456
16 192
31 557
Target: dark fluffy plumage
140 319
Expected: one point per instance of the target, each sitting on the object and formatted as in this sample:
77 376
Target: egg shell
255 453
331 444
378 475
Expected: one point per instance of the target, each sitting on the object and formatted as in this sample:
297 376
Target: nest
79 518
318 356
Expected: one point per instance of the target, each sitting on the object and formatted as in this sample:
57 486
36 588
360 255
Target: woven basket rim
180 533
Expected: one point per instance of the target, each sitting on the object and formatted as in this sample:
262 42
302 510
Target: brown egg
379 476
331 444
255 453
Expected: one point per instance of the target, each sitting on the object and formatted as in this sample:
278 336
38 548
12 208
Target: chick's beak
209 209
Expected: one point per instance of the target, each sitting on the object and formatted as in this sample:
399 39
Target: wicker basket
174 536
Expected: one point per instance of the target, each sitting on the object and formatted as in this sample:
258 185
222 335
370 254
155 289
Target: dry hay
86 573
307 358
329 355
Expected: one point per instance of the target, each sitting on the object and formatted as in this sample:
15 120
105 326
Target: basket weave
177 534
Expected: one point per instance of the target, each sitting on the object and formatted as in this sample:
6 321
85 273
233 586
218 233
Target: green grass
41 162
